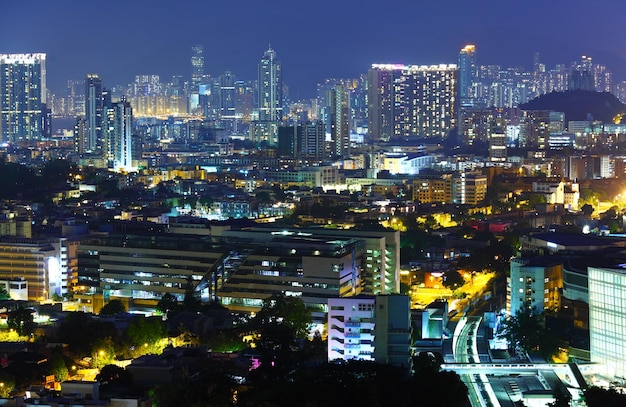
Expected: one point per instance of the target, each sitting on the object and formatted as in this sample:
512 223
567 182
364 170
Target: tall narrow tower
197 65
94 110
339 121
22 93
467 72
119 123
270 87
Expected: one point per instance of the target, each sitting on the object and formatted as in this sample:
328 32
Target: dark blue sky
314 39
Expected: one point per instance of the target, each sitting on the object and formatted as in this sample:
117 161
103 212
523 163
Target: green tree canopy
80 331
112 375
8 383
167 303
57 367
21 320
145 332
452 279
526 331
113 307
599 397
4 295
286 310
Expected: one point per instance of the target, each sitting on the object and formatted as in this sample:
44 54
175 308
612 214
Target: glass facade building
607 320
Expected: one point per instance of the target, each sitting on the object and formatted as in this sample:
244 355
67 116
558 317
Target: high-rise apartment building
302 142
22 93
467 73
94 111
119 135
340 121
497 140
412 101
270 87
197 66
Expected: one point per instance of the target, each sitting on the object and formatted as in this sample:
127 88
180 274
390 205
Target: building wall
535 286
607 320
393 330
370 328
144 266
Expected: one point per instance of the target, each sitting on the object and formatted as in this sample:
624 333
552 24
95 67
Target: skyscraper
412 101
197 66
467 72
270 87
94 110
339 121
22 93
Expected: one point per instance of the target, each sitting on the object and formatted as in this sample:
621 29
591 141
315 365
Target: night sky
314 39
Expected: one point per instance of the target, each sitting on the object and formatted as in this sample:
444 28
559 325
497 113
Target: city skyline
156 38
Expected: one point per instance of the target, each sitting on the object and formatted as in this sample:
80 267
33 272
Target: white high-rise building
119 135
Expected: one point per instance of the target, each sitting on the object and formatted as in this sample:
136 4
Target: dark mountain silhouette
579 104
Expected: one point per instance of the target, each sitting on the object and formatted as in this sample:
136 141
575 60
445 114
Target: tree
286 310
112 375
7 383
599 397
526 331
80 331
146 334
102 352
57 367
21 320
452 279
112 307
561 398
4 295
167 303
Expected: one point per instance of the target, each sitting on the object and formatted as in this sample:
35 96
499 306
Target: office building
270 101
241 267
374 328
22 94
412 101
293 263
41 263
145 266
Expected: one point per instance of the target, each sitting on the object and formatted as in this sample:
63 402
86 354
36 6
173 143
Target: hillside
578 104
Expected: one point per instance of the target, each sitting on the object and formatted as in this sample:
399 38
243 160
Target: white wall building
376 328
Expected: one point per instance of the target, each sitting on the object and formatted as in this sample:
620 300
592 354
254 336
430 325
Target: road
466 351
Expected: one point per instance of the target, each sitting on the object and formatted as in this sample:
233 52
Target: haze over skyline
314 40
